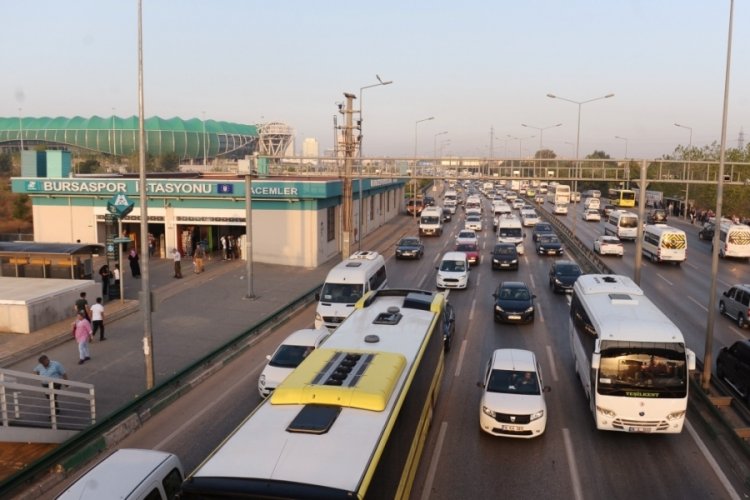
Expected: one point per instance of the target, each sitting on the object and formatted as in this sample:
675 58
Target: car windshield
568 270
511 232
513 382
548 238
504 250
341 292
290 356
543 228
453 266
410 242
513 294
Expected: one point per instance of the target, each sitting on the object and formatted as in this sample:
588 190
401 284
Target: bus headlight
318 317
488 411
606 412
676 415
537 415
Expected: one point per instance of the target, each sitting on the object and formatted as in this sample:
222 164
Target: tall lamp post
434 146
626 144
414 170
520 143
361 216
687 169
205 153
627 164
578 137
114 135
541 136
20 126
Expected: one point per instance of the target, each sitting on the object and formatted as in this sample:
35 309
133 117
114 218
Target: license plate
551 252
504 265
514 316
639 429
513 428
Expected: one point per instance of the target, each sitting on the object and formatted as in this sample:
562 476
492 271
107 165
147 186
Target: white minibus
345 284
663 243
622 224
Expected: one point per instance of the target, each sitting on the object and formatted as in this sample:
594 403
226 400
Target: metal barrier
36 409
50 469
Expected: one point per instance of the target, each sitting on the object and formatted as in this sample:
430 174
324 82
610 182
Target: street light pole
20 126
626 144
361 136
434 146
687 167
114 135
578 139
541 137
205 154
414 170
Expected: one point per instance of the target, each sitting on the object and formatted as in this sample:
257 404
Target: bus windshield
640 369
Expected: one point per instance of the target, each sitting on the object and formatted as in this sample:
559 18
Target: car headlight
498 309
495 261
558 282
488 411
514 261
262 380
676 415
536 416
606 412
530 309
318 317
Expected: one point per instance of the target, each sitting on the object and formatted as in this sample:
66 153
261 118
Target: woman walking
83 335
135 265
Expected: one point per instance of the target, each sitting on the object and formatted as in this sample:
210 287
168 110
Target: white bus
351 420
663 243
558 194
631 359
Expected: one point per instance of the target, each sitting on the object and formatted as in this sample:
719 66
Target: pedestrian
198 258
106 275
116 276
82 305
151 245
230 247
97 318
135 265
51 369
177 266
82 334
223 241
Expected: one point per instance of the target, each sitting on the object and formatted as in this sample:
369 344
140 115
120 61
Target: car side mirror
726 293
494 295
268 357
317 296
533 296
480 384
547 389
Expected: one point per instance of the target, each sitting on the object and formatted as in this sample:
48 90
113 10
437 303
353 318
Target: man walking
82 334
51 369
177 266
82 305
97 317
105 274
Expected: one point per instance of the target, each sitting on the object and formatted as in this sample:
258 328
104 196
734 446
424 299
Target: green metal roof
119 136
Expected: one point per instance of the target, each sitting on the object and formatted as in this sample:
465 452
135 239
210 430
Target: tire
719 370
741 323
654 259
722 308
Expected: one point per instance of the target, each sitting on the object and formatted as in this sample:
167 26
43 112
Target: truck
653 198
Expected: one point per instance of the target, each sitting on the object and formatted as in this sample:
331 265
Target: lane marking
479 278
552 365
421 283
539 311
686 263
473 306
461 358
427 491
712 462
698 303
533 284
665 279
572 465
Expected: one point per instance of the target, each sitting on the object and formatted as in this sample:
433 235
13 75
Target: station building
295 221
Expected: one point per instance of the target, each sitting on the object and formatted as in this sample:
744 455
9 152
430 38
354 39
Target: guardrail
43 474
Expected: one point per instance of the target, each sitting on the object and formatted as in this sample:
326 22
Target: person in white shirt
97 318
177 266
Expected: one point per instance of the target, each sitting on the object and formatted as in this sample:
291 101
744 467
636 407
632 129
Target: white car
518 203
295 348
467 236
591 214
453 271
608 245
529 217
473 222
513 402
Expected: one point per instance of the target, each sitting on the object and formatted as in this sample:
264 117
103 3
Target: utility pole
346 246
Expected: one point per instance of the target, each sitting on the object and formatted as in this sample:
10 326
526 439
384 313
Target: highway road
571 460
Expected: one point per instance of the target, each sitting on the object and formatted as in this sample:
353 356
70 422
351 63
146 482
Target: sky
480 68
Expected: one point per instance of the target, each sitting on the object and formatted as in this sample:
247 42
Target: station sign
120 206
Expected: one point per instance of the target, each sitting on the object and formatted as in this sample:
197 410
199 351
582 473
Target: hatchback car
513 402
606 209
472 252
735 303
541 228
733 365
608 245
292 351
591 214
563 275
529 218
706 232
473 222
656 216
514 303
467 236
447 214
409 247
505 256
549 244
518 203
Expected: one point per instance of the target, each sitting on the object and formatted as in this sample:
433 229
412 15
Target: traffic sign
120 206
121 240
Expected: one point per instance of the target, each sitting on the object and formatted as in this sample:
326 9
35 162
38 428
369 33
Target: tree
21 207
89 166
169 162
6 163
545 154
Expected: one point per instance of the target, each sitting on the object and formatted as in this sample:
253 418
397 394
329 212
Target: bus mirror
480 384
595 358
317 296
690 359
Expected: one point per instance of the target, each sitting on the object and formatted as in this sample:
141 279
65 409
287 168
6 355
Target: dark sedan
563 275
409 248
514 303
549 244
447 215
541 228
505 256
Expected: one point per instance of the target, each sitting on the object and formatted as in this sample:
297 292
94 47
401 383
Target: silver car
735 303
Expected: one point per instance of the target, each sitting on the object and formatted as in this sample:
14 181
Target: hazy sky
470 64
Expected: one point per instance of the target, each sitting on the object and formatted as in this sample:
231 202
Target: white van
510 230
622 224
662 243
593 203
431 221
346 284
734 240
290 353
453 271
130 474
